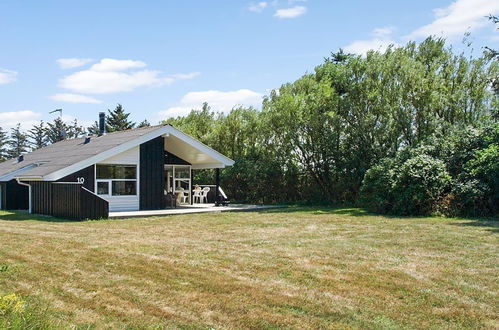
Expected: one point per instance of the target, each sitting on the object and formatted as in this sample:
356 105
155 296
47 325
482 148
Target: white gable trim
168 129
225 161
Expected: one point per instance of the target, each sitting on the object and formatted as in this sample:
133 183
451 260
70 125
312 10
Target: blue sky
162 58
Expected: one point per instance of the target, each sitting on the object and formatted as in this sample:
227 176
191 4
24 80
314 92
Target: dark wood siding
17 196
172 159
2 197
41 197
152 174
88 174
67 200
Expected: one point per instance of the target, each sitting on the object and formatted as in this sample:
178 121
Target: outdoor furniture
204 194
197 195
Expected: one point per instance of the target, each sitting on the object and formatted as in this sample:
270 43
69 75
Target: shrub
377 189
421 181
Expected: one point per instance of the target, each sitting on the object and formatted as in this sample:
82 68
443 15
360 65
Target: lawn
293 268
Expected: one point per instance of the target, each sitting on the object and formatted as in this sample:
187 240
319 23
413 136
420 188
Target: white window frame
187 180
110 181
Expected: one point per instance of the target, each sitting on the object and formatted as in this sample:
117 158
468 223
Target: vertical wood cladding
88 174
152 174
41 197
3 195
67 201
172 159
17 196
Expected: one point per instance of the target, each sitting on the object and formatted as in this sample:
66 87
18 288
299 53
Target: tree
117 120
337 122
3 145
57 130
144 123
38 136
94 129
74 130
18 142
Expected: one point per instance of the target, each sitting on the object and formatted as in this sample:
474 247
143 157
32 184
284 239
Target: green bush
455 172
420 182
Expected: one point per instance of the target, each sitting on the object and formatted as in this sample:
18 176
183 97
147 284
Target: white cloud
218 101
258 7
111 64
456 19
112 76
74 98
383 32
26 118
69 63
185 76
291 12
380 41
7 76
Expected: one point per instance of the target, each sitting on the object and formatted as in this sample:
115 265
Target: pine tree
3 145
75 130
144 123
117 120
38 136
18 142
94 129
56 131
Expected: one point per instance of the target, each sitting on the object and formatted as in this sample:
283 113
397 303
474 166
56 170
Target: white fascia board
200 146
206 166
105 155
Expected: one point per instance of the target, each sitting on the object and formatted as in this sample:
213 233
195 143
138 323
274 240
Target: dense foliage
316 138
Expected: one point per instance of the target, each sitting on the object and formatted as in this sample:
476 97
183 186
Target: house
121 171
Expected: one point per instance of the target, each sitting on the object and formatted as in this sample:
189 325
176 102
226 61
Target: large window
117 180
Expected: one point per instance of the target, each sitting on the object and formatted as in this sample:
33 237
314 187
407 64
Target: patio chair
197 195
204 194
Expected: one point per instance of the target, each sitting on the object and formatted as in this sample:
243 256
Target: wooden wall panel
17 196
88 174
152 174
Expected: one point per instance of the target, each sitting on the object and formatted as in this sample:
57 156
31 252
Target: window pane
104 172
130 172
124 188
182 173
102 188
116 172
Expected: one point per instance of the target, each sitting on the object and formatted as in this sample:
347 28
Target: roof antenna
57 110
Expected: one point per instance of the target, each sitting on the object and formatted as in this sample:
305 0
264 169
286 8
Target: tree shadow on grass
318 210
492 224
25 216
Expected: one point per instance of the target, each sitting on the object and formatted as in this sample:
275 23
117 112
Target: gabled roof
57 160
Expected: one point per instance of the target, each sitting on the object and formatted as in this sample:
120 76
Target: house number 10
80 180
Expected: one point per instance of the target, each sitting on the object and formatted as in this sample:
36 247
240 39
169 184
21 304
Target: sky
163 58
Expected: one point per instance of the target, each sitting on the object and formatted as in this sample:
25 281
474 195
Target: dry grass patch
296 268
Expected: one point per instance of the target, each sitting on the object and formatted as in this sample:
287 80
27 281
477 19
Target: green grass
285 268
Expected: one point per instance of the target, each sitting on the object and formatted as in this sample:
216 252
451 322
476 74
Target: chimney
20 158
102 123
87 140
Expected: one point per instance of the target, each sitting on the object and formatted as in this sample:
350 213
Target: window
117 172
124 188
117 180
103 188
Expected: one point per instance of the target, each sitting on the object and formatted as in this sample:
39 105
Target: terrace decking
190 209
